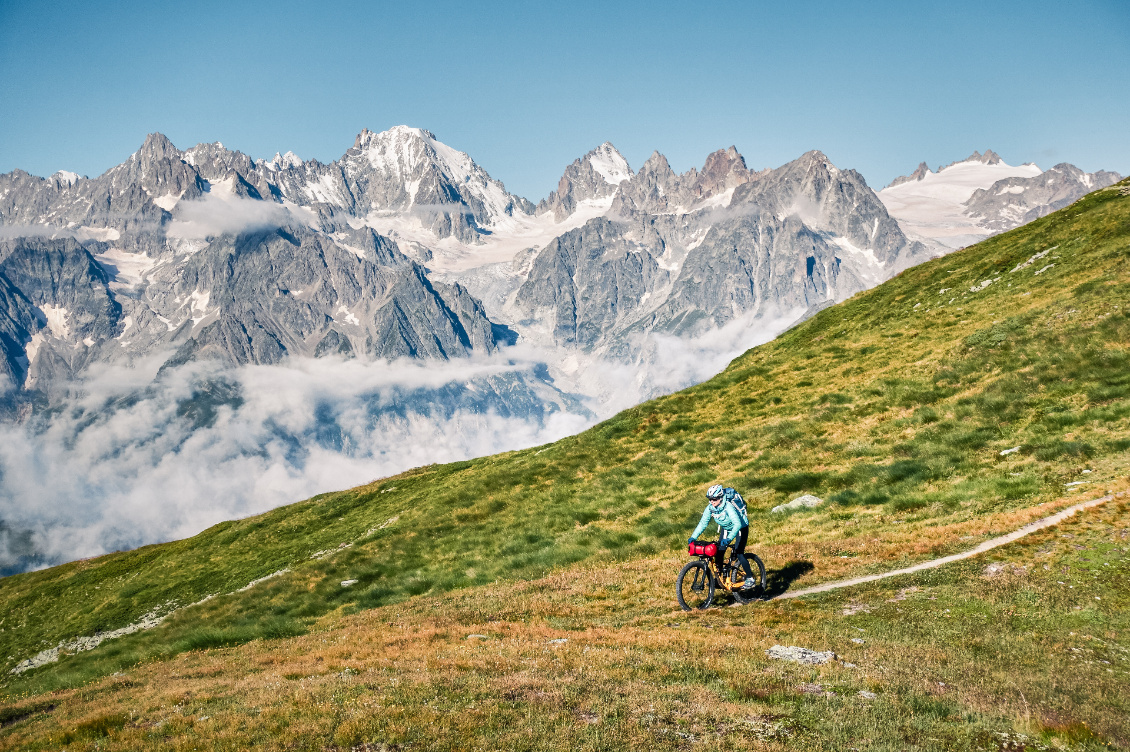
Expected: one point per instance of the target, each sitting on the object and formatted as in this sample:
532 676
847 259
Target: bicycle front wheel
695 586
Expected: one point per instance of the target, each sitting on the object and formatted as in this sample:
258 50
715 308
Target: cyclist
727 508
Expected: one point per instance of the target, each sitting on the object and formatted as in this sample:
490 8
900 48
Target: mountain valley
397 293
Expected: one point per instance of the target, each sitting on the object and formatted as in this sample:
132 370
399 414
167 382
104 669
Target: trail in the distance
988 545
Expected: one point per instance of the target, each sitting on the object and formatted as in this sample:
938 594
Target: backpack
731 496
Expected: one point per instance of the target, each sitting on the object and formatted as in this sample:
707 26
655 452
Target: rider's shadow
778 581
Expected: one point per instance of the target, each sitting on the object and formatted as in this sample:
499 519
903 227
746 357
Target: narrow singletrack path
988 545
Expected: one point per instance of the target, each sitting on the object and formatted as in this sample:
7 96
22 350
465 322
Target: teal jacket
729 520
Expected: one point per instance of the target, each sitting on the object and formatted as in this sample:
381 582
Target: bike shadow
778 581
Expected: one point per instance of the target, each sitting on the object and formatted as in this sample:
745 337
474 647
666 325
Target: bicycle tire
757 592
689 598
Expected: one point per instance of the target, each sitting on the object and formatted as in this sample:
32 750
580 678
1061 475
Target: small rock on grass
996 569
868 695
477 637
800 655
802 502
815 689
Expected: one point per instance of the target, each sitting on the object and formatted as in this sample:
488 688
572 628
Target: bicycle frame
723 578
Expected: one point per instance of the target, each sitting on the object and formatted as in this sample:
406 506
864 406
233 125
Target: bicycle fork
700 576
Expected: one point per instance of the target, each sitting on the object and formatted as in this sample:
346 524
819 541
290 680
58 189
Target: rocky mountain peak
990 157
403 152
405 169
723 161
363 139
158 146
915 176
283 161
609 164
396 135
596 175
815 159
657 165
723 169
65 177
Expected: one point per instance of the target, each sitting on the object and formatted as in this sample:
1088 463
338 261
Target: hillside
897 406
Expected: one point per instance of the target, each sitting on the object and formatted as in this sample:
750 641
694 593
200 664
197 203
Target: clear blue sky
525 88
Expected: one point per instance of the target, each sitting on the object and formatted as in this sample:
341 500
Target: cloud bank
204 444
215 214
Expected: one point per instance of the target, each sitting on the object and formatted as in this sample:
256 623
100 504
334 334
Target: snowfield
933 207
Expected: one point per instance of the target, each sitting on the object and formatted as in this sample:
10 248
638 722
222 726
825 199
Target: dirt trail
988 545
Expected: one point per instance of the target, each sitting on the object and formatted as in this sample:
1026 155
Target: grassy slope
593 658
894 405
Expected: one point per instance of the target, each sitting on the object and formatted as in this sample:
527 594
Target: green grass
895 406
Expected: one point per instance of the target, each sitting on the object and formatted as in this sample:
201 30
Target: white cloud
108 474
217 213
33 231
140 473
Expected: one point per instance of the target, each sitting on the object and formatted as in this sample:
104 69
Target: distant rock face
657 189
594 176
683 254
990 157
202 254
207 253
1012 202
918 174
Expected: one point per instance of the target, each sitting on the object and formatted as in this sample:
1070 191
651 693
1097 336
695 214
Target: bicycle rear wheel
694 586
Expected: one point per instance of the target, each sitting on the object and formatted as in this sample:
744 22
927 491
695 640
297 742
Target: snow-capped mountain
201 254
590 181
967 201
405 247
1016 201
687 254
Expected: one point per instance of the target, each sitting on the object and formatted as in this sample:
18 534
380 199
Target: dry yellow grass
599 657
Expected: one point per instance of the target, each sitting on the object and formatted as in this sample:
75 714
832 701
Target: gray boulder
802 502
800 655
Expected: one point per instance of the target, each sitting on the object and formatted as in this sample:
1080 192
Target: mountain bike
699 579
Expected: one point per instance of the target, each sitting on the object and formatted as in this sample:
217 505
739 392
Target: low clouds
82 234
204 445
132 461
8 232
217 214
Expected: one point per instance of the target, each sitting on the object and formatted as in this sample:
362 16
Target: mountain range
208 253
